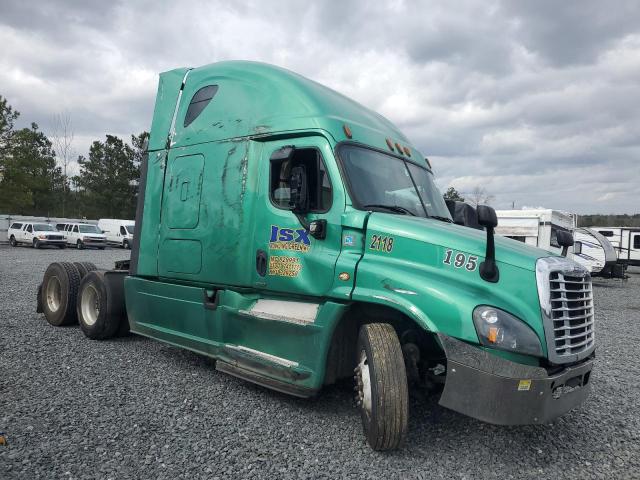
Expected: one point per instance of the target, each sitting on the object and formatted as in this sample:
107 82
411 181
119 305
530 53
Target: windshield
383 182
130 228
89 229
43 227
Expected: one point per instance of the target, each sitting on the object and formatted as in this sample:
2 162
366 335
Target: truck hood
456 237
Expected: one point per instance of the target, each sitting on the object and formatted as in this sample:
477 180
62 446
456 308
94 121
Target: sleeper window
198 103
317 177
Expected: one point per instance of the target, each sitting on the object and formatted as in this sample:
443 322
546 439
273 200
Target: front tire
36 243
12 241
59 293
80 245
381 382
125 244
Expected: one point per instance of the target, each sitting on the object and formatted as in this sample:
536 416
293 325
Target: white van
83 235
118 232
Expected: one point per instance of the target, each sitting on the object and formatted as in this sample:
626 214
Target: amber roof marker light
399 148
390 144
347 131
407 151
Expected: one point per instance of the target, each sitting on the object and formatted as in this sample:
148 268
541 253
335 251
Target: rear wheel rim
90 305
54 294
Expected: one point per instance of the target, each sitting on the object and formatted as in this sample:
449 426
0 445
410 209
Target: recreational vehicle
625 241
537 227
595 252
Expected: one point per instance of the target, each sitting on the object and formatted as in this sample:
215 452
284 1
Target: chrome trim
557 305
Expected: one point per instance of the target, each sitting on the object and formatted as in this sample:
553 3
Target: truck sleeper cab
299 238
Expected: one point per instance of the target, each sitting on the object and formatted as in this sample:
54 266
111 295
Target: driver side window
319 186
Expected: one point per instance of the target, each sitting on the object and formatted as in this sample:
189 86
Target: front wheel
36 243
80 245
125 244
381 383
12 241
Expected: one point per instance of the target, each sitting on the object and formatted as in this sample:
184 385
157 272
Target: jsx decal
289 239
459 260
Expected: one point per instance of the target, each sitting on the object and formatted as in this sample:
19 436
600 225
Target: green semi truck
298 238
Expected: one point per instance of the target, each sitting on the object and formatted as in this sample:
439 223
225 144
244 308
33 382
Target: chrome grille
571 313
566 302
54 237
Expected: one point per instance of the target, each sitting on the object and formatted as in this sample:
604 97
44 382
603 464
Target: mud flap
39 300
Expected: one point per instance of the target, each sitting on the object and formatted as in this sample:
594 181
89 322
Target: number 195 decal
459 260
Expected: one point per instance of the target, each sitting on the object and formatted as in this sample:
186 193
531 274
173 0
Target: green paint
207 212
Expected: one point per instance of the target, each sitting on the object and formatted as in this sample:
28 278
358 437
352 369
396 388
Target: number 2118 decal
459 260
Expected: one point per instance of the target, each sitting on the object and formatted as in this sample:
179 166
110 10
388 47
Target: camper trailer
625 241
536 227
595 252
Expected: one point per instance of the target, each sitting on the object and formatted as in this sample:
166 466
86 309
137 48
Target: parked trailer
537 227
299 238
626 242
596 253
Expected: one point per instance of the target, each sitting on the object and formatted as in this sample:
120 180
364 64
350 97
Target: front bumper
495 390
51 242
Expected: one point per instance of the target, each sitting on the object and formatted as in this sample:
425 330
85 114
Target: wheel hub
54 294
90 305
363 384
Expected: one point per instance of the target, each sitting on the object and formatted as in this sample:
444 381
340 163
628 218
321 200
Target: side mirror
577 248
298 188
487 216
489 220
565 240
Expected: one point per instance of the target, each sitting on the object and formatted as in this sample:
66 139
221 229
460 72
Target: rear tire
381 382
59 293
12 241
98 316
84 268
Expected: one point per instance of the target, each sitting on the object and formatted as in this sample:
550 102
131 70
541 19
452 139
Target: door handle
261 262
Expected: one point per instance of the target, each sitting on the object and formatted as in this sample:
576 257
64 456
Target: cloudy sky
536 101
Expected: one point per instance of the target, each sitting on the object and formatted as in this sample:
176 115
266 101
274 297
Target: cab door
289 260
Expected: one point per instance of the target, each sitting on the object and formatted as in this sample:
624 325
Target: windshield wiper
444 219
393 208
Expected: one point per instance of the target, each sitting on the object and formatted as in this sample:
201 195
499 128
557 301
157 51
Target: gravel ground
135 408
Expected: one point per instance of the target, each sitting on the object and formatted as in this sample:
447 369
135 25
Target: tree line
34 178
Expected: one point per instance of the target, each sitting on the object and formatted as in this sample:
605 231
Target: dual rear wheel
79 293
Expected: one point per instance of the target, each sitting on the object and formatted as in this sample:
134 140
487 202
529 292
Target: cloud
535 101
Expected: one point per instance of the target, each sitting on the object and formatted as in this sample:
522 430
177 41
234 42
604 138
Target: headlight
42 237
501 330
